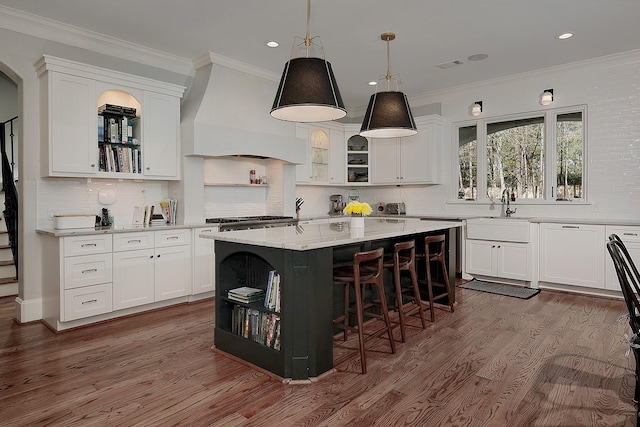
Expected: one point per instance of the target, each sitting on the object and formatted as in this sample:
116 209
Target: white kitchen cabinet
325 154
71 127
203 261
411 160
94 277
78 276
358 156
572 254
161 136
133 269
151 266
506 260
630 236
172 272
73 92
133 278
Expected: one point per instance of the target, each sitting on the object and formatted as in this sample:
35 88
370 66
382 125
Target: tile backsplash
73 196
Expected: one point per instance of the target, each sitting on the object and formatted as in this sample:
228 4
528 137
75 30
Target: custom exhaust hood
226 113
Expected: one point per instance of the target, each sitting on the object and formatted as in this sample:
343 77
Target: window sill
520 202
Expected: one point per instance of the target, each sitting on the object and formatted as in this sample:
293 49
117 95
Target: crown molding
214 58
428 97
49 29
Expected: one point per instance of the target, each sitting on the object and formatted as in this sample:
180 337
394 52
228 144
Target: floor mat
500 289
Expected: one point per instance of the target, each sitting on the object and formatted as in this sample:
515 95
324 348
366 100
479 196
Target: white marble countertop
112 230
323 235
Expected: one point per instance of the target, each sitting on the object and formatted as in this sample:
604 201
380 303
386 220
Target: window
569 152
468 163
517 155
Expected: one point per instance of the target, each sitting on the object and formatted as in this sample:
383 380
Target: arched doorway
10 132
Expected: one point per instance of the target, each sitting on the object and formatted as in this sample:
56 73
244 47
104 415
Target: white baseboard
28 311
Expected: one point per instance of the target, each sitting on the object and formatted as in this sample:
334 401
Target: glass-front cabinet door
325 155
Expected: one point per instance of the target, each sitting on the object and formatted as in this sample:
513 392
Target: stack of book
246 294
169 209
260 327
115 126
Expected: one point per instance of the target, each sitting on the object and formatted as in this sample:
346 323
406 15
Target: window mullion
551 157
482 160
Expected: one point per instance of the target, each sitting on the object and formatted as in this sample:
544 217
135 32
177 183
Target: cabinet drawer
87 270
85 245
87 301
627 234
132 241
172 238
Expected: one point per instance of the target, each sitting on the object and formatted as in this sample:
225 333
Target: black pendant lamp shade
388 116
308 92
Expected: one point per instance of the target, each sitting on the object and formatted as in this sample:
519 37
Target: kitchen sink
499 229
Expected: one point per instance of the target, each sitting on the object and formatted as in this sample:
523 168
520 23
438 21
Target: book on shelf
246 294
273 291
118 110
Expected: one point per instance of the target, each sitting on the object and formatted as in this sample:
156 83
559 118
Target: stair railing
9 188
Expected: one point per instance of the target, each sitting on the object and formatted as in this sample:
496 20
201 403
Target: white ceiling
518 35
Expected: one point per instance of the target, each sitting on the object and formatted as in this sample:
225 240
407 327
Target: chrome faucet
505 197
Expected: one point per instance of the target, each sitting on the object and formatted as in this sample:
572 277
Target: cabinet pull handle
150 256
207 231
90 270
134 241
630 234
87 244
91 301
158 255
570 226
172 238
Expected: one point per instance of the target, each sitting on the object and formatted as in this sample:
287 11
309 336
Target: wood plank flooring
553 360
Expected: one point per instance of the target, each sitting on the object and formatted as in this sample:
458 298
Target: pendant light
388 114
308 91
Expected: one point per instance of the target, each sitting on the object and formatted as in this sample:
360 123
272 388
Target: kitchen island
301 342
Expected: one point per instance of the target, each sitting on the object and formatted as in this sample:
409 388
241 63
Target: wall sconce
476 109
547 97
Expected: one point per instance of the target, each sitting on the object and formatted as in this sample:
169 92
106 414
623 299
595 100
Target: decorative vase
356 232
357 221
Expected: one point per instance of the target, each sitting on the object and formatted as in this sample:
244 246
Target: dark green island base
308 298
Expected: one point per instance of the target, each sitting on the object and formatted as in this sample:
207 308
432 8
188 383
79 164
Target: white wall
609 87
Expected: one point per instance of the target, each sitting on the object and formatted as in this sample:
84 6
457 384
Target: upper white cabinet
71 94
325 154
358 156
572 254
161 135
411 160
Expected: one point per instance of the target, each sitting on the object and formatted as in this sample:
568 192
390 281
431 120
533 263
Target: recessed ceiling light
373 83
478 57
272 43
565 36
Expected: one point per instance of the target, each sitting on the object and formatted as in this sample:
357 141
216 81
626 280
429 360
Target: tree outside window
513 154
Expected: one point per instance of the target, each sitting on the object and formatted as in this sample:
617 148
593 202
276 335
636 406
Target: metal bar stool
434 248
366 270
404 259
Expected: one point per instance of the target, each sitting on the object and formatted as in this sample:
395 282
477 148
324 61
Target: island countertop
324 235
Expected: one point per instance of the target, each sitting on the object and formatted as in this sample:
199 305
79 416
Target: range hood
226 113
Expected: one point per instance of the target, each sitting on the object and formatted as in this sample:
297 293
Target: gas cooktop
246 218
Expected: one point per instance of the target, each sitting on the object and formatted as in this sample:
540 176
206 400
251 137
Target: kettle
336 204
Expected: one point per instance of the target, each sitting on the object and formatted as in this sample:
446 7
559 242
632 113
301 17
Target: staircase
8 281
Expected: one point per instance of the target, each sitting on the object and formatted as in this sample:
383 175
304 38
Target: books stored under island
257 326
246 294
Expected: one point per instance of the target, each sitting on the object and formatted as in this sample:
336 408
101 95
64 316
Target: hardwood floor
553 360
